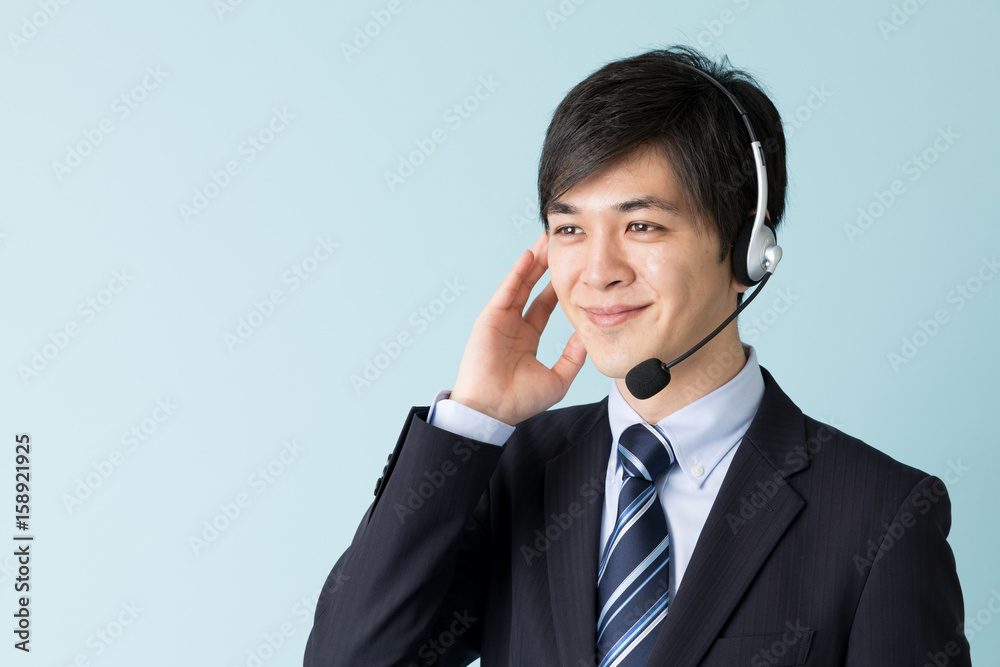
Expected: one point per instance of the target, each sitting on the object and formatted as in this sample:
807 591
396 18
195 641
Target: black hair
648 100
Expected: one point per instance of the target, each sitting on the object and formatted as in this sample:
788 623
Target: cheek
680 270
560 274
659 272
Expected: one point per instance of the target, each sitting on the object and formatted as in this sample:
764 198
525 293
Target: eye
643 227
566 230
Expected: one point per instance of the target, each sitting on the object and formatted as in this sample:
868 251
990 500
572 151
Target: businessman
694 515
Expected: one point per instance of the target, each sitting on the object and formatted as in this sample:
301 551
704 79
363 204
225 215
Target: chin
614 365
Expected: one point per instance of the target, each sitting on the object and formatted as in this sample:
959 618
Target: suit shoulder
833 451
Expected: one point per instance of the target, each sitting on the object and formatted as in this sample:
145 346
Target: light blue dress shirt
704 435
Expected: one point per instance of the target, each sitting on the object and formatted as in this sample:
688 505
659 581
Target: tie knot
644 451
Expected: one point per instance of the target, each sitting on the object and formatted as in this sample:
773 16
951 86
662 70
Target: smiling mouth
611 317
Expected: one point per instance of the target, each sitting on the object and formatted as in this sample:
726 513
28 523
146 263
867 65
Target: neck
718 362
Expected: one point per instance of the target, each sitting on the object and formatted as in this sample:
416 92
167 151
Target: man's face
635 274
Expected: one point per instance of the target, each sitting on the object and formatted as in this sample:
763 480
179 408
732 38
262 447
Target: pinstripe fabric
633 577
783 561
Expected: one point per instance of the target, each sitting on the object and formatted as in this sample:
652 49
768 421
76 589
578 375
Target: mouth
612 316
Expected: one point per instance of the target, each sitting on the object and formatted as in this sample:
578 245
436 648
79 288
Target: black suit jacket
819 550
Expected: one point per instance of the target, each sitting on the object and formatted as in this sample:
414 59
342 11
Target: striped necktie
633 577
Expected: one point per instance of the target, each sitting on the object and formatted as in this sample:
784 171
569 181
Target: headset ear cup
741 252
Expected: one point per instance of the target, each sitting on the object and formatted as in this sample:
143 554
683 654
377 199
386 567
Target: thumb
571 361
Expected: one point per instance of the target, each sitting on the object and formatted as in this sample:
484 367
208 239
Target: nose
606 263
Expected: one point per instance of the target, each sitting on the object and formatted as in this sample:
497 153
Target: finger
531 277
537 269
541 308
541 263
508 290
523 292
569 364
539 242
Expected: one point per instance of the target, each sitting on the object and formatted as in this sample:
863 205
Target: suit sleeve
911 610
410 589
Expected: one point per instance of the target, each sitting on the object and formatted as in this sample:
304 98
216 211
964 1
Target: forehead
644 179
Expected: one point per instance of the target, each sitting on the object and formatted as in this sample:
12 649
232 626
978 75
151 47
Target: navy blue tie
633 577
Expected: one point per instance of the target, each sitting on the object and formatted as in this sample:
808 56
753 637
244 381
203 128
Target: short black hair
648 100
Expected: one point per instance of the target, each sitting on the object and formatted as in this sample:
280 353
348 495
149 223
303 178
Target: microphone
652 376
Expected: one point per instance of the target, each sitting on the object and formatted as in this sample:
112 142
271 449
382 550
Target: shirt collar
702 432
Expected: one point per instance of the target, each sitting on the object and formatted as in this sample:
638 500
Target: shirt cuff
462 420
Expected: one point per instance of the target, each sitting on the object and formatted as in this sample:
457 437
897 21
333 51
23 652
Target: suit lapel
577 476
752 511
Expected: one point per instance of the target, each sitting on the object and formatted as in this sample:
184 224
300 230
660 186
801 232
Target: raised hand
499 374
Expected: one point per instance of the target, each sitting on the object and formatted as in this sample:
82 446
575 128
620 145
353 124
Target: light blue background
459 217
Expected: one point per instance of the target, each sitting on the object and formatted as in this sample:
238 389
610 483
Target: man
709 524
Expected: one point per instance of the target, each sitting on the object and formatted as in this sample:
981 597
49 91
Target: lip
610 316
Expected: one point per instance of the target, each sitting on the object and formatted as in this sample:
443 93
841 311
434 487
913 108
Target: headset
756 254
756 251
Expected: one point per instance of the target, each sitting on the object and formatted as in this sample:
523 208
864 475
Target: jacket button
378 485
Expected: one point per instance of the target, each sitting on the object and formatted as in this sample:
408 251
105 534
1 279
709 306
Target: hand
499 374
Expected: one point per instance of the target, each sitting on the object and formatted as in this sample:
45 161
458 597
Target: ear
736 284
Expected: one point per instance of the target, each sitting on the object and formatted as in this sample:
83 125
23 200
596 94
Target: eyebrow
627 206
